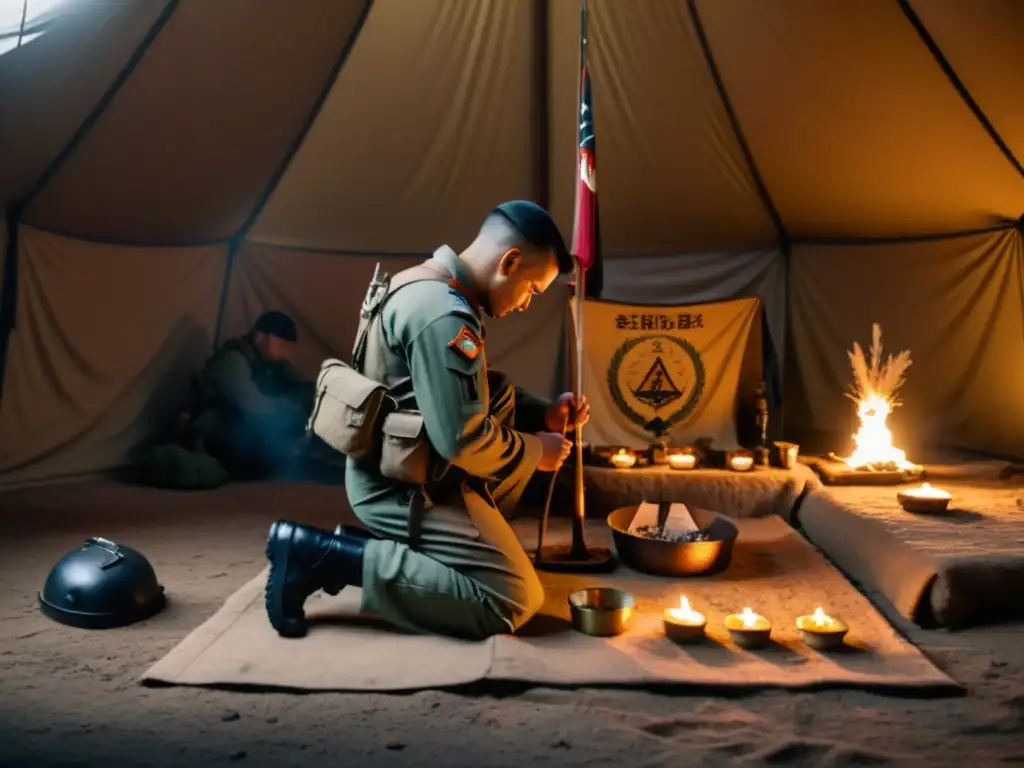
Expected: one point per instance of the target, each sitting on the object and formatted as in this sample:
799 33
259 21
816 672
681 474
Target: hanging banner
664 371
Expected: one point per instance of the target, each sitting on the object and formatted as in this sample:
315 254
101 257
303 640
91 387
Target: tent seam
15 212
958 85
748 155
235 242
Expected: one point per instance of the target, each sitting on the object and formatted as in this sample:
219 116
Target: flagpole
579 544
577 557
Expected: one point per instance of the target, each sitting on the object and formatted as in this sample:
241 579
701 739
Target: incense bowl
670 558
601 611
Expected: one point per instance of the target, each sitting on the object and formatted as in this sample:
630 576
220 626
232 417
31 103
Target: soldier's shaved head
517 254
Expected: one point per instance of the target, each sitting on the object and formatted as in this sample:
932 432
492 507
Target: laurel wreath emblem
619 397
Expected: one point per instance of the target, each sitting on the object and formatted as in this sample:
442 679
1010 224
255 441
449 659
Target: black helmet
101 585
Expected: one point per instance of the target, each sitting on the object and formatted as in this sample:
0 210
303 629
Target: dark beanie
277 324
536 225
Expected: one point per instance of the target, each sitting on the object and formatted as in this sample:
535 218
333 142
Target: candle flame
685 612
749 618
925 491
819 617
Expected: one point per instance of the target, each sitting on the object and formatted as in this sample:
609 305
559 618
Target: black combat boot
303 560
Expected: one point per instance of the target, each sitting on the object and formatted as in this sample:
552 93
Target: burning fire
874 390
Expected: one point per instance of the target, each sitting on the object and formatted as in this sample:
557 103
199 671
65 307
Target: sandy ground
71 697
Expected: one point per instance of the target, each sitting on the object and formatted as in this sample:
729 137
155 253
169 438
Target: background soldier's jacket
238 381
409 350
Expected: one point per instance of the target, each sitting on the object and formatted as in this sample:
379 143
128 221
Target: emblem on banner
656 381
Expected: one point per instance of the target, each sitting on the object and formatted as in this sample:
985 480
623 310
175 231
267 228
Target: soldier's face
275 348
519 279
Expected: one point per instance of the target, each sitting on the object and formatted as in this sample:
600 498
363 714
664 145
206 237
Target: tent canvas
172 167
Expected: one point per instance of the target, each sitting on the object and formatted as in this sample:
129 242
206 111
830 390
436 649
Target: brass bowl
924 504
601 611
821 639
669 558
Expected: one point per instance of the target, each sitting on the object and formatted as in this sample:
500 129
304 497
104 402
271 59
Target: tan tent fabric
49 86
185 150
855 128
434 87
981 40
323 293
106 341
442 109
957 305
652 144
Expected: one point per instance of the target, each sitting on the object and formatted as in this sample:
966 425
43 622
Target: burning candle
682 460
623 459
741 462
924 499
748 629
683 624
821 631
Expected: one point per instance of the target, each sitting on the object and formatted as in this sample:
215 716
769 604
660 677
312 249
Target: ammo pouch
405 451
348 410
358 416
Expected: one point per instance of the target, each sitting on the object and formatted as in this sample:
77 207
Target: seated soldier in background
254 404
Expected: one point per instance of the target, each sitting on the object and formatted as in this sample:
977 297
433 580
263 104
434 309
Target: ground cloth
774 570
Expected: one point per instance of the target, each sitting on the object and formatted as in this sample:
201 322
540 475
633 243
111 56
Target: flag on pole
586 240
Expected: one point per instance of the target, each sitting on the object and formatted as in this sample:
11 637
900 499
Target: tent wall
430 121
957 305
184 151
741 148
49 87
855 128
108 337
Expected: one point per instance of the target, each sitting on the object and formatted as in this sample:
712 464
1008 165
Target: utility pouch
405 452
348 409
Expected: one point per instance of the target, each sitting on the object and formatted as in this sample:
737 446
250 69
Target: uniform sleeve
530 411
450 388
231 376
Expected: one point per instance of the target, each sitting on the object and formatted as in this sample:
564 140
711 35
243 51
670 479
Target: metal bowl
669 558
601 611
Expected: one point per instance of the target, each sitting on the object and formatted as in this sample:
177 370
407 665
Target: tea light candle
682 460
623 459
924 499
741 463
748 629
683 624
821 631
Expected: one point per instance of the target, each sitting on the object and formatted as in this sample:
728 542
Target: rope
542 528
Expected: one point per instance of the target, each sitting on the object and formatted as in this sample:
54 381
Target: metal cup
785 454
601 611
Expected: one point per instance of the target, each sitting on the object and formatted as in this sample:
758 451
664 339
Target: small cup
786 454
601 611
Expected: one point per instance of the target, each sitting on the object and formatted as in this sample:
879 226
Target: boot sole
277 553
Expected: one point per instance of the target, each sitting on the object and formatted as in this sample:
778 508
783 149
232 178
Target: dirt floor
71 697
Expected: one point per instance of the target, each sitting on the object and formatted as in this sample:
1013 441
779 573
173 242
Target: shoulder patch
467 343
